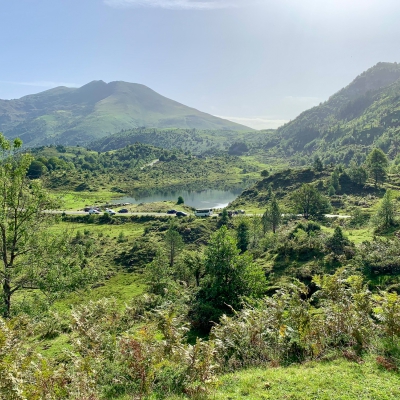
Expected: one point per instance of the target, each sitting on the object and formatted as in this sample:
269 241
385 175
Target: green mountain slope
364 114
77 116
194 140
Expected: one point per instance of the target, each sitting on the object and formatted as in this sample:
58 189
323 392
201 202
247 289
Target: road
127 214
159 214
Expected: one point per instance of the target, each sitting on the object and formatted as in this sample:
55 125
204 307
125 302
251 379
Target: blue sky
258 62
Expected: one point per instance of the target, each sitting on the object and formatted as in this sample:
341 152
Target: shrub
380 256
180 200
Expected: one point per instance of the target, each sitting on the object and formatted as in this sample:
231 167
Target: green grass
78 200
334 380
355 235
129 229
338 380
123 287
54 348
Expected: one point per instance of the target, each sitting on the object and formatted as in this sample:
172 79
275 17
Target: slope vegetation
79 115
194 140
364 114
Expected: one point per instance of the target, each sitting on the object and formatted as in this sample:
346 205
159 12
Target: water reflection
208 198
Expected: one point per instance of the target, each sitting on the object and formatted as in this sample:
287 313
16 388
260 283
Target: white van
207 212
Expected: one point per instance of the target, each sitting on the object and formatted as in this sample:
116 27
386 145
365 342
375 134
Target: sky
256 62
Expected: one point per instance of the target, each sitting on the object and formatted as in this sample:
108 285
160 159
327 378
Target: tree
194 262
158 275
337 242
229 277
243 235
255 231
357 173
180 200
272 216
331 191
265 173
377 165
174 243
224 218
269 191
335 180
36 169
308 201
318 166
30 257
385 216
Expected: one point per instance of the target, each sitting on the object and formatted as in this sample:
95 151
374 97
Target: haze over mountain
79 115
365 113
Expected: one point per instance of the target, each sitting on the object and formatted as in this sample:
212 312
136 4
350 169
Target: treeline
80 169
346 127
57 158
196 141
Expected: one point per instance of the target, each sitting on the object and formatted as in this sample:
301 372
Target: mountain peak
379 76
80 115
92 92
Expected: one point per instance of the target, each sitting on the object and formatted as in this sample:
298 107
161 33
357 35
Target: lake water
209 198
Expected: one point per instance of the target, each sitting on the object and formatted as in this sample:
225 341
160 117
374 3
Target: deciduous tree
30 256
357 173
309 201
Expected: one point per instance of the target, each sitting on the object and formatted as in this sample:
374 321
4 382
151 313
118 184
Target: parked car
181 214
123 211
110 211
93 211
171 212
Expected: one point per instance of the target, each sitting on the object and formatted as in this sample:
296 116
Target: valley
299 297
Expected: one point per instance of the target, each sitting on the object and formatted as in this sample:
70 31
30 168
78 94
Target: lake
209 198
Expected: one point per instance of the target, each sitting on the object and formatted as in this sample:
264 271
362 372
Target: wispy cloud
257 122
177 4
43 84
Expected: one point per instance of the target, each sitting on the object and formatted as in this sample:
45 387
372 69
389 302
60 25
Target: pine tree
318 166
243 235
272 216
335 180
384 217
174 243
377 165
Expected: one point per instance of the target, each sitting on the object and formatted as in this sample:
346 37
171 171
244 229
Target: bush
291 325
381 256
180 200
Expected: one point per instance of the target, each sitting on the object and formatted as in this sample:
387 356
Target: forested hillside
194 140
138 168
364 114
72 116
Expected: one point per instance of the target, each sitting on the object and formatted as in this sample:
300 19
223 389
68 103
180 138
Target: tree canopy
377 164
308 201
30 256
